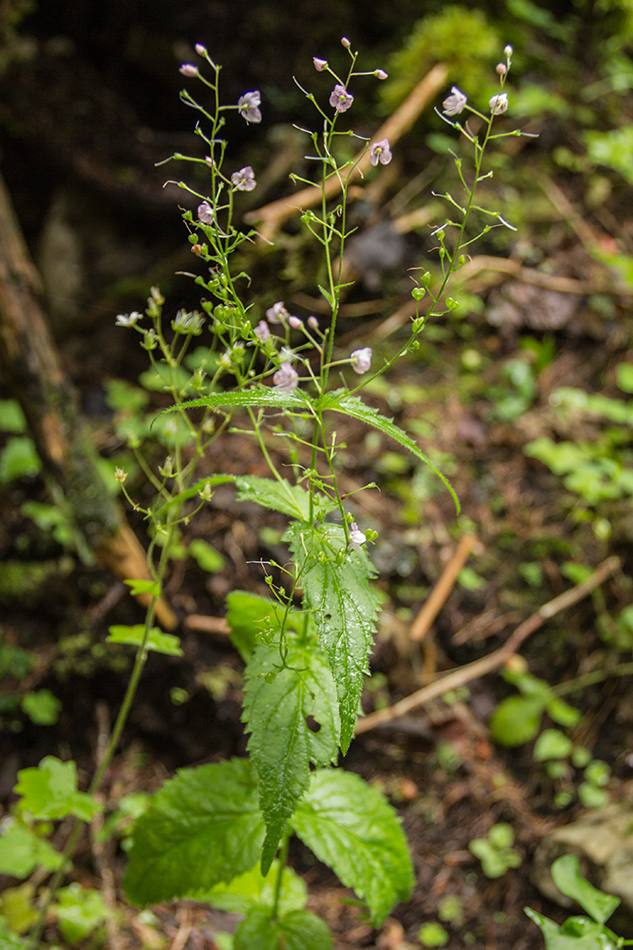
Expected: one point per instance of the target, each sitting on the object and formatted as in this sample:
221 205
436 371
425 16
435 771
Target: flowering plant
220 832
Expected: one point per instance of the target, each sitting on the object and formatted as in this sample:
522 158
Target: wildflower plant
220 832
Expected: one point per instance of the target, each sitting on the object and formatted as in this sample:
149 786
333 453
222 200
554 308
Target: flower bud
345 42
380 74
507 51
313 323
188 69
200 49
295 322
319 64
501 69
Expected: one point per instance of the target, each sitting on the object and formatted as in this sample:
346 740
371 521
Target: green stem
283 857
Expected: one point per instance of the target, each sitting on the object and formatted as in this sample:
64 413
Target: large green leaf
297 930
342 401
252 890
353 829
252 619
279 696
336 586
203 826
21 851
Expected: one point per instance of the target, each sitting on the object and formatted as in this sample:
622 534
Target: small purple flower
361 360
380 74
340 98
455 103
277 313
248 106
205 213
286 378
499 103
356 537
319 64
244 179
380 152
188 69
262 332
295 322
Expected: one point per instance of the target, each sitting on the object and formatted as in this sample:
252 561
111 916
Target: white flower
127 319
380 152
361 360
248 106
455 103
244 179
356 537
499 103
286 378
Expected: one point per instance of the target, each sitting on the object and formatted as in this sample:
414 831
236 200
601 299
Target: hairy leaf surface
337 591
281 496
265 396
202 827
278 699
341 401
353 829
297 930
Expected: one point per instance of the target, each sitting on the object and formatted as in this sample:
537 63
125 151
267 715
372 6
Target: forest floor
482 388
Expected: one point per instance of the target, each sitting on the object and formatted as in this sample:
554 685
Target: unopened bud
200 49
188 69
313 323
507 51
295 322
380 74
319 64
345 42
501 69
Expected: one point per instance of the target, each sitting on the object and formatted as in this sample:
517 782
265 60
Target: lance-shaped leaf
202 827
341 401
279 696
354 830
264 396
337 591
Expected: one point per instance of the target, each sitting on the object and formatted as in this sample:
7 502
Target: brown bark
33 372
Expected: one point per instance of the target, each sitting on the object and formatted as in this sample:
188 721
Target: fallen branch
479 668
442 589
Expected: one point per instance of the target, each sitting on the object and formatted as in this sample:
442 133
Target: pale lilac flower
455 103
380 152
277 313
499 103
295 322
341 99
244 179
127 319
356 537
361 360
248 106
313 323
319 64
205 213
200 49
380 74
286 378
188 69
262 332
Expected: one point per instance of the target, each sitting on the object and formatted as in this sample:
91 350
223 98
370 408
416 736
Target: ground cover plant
508 387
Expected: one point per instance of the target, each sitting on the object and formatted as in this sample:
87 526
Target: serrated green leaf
354 830
337 591
341 401
280 496
297 930
143 587
50 791
21 851
157 640
516 720
569 881
251 889
202 827
279 696
265 396
326 294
